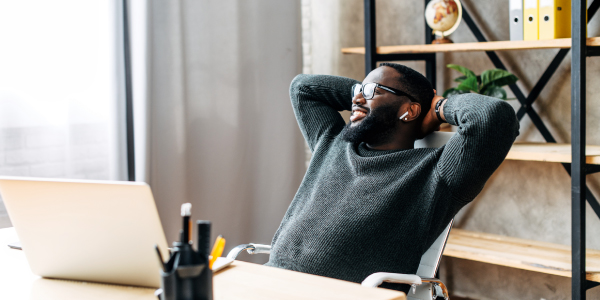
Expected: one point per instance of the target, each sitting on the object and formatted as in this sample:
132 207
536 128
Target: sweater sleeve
317 100
487 128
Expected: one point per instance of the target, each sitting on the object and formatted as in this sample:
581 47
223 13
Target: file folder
530 20
554 19
516 20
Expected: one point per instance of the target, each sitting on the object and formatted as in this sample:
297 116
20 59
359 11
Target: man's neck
396 144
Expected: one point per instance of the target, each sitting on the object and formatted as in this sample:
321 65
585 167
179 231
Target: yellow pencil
217 250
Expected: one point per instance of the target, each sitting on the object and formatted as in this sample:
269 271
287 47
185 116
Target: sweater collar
364 151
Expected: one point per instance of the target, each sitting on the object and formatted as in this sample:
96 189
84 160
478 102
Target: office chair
424 285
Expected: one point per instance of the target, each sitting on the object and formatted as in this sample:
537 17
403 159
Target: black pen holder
190 282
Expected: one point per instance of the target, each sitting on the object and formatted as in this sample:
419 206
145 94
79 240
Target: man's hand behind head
431 122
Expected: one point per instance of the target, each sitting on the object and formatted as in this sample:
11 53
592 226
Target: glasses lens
369 90
356 89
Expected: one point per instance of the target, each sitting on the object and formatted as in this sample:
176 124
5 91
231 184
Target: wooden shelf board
551 152
518 253
465 47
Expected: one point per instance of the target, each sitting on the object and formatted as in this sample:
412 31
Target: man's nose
359 99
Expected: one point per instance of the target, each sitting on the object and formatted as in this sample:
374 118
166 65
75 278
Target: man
369 201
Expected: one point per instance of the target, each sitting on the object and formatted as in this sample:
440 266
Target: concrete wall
523 199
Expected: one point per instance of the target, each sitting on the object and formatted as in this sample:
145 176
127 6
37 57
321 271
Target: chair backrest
431 259
435 139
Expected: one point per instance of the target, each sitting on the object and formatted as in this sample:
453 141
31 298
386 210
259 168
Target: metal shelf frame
577 169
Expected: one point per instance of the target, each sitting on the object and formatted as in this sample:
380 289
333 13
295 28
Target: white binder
516 20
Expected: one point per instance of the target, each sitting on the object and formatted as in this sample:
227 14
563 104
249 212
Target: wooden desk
242 280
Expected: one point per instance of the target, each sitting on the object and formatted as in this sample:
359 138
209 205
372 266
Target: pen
186 212
160 258
203 232
217 250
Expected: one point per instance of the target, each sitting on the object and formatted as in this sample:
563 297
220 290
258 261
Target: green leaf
497 77
461 69
462 78
470 84
496 91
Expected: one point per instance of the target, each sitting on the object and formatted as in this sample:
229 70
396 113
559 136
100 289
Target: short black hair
414 84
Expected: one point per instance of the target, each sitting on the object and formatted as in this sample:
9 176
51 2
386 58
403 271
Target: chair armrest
375 279
260 249
250 248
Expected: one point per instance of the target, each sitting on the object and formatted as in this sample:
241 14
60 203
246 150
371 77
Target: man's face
373 121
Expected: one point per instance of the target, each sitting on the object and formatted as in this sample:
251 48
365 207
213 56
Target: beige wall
523 199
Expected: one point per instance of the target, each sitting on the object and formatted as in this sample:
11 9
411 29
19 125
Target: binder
516 20
554 19
530 20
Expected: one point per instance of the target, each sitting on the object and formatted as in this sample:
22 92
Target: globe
443 16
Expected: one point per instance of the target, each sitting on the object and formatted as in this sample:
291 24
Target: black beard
374 129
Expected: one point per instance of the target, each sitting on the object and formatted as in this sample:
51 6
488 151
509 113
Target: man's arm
487 128
317 100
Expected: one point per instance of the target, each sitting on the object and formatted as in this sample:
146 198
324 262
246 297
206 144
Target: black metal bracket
370 36
593 51
591 284
591 169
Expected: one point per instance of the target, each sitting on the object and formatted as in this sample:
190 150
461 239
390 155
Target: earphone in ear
404 115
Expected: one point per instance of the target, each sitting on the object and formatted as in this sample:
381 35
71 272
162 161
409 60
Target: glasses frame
383 87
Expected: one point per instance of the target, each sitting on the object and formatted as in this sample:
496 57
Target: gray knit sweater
360 211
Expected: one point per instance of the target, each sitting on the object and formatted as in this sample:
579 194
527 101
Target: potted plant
489 83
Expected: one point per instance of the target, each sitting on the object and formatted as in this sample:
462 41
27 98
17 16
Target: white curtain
220 132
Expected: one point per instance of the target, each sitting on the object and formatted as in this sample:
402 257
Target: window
59 91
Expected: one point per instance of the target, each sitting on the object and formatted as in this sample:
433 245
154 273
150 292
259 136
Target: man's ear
414 111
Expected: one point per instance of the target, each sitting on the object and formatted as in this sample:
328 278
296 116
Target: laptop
99 231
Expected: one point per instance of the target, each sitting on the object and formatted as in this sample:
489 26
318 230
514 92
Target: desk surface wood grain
242 280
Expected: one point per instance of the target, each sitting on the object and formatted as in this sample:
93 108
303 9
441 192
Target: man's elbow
298 82
505 118
512 123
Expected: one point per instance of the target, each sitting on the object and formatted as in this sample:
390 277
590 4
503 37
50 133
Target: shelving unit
479 46
547 258
577 158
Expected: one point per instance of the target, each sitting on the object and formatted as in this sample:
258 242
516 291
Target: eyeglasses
368 90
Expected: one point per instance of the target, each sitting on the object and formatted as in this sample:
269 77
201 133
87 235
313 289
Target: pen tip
186 209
